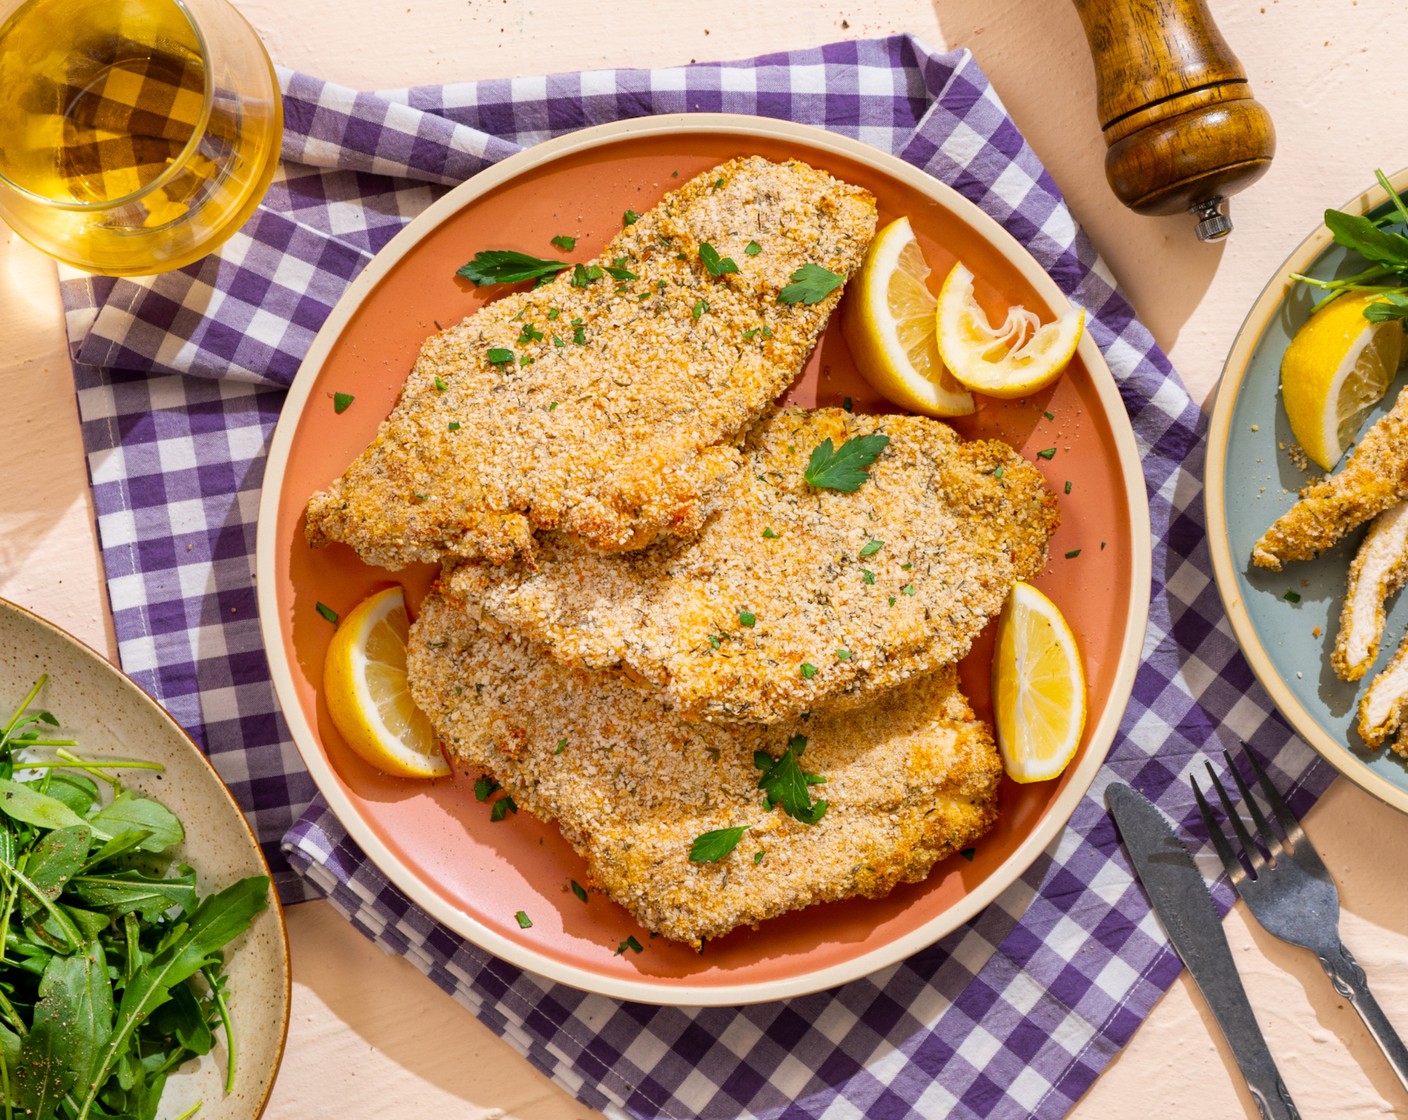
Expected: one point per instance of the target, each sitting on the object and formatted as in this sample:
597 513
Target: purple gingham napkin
180 381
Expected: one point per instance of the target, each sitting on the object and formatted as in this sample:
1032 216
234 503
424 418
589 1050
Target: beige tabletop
370 1036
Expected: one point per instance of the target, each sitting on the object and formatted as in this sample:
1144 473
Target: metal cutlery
1291 894
1180 897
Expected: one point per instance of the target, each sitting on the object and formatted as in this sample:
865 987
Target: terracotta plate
1250 482
111 717
435 841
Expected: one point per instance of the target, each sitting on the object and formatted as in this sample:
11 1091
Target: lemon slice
1012 360
364 685
887 320
1038 687
1337 367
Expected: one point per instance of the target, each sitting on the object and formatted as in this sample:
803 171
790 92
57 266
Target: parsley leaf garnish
785 783
340 401
499 356
327 612
752 249
484 786
810 284
523 920
507 266
630 943
579 890
629 218
565 243
747 618
584 274
712 846
845 467
715 264
871 548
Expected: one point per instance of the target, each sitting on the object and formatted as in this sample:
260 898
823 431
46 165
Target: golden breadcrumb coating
1379 570
793 597
1384 705
1374 478
617 417
910 779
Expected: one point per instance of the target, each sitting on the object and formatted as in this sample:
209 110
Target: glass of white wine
135 135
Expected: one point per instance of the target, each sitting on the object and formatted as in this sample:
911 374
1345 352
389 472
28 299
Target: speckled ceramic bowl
109 715
1286 621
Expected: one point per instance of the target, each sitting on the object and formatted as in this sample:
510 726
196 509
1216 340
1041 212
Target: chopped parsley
565 243
561 746
968 853
630 943
502 808
552 404
715 641
843 655
524 921
712 846
505 266
807 669
1048 453
748 336
769 535
485 787
327 612
553 313
871 548
453 425
1291 597
713 263
1049 416
846 467
499 355
848 405
697 311
441 383
907 589
747 618
758 857
529 333
558 340
810 284
617 272
583 275
340 401
579 890
629 218
1073 554
785 783
752 249
1068 487
867 575
997 472
579 335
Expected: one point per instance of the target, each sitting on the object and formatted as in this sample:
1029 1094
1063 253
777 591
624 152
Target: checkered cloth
180 381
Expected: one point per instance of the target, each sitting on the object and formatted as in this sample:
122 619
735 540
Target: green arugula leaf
1354 231
714 264
77 792
132 891
564 242
129 812
72 1020
22 803
712 846
1394 305
810 284
53 861
785 783
846 467
506 266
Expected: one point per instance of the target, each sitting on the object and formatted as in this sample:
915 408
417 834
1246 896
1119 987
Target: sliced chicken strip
1379 570
1385 703
1374 478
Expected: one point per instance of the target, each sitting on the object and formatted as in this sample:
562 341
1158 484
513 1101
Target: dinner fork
1291 894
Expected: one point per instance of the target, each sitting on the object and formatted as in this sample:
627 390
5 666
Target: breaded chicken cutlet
1374 478
608 403
795 597
909 780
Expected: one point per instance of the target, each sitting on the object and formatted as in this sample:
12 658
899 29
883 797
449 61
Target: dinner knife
1181 900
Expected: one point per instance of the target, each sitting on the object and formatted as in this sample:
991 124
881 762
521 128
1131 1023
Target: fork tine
1230 862
1303 851
1249 848
1269 840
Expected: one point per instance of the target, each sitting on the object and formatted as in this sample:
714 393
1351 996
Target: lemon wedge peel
1337 367
887 320
365 689
1038 687
1012 360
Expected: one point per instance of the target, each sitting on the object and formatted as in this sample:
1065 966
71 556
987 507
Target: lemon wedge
1013 360
1337 367
1038 687
364 685
887 320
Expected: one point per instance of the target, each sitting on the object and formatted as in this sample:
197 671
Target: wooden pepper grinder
1182 126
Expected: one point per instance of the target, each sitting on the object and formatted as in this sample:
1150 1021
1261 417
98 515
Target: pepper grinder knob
1182 127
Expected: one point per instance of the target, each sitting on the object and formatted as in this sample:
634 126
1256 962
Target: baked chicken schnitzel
908 780
795 597
608 403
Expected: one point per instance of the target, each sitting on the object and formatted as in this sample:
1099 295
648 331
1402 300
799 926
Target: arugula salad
111 967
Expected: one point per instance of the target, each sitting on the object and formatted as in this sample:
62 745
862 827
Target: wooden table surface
369 1035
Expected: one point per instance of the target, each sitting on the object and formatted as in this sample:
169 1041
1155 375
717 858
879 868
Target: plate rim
1233 376
654 990
145 698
